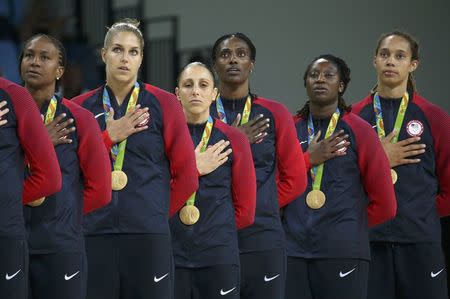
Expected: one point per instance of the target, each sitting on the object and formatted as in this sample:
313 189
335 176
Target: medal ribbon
118 151
398 120
245 112
205 138
51 110
317 171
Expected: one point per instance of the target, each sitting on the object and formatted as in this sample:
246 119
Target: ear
413 66
252 65
177 93
374 62
103 53
341 86
215 94
59 72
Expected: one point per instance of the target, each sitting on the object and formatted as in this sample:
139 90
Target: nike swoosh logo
346 273
69 277
100 114
158 279
223 293
266 279
301 142
9 277
433 275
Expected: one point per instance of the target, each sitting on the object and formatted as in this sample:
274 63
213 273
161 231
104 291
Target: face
323 84
393 61
40 64
196 90
233 62
123 57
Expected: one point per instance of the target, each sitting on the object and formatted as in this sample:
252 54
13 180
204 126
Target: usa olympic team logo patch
414 128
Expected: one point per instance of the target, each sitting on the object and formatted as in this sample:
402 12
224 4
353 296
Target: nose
233 58
35 60
390 60
124 57
321 77
195 89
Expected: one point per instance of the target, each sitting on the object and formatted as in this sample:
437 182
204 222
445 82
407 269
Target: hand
399 152
212 157
328 148
3 112
127 125
253 129
59 129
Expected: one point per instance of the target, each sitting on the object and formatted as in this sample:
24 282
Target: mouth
389 73
195 102
233 70
124 68
320 89
33 73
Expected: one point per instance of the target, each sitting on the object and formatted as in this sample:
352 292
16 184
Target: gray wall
289 34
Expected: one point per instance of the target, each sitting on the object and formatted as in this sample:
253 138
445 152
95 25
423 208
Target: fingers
199 147
110 114
2 104
255 119
219 146
55 122
408 141
317 136
237 121
409 161
390 136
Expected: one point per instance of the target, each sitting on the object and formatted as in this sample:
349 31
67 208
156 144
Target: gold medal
37 202
119 180
315 199
394 176
189 214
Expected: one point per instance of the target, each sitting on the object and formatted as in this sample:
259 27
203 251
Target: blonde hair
124 25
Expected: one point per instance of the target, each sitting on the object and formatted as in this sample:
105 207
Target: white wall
290 34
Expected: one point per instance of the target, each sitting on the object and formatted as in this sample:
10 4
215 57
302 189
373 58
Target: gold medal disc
315 199
119 180
189 214
394 176
36 202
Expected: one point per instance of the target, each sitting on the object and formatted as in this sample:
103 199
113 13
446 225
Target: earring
251 71
57 78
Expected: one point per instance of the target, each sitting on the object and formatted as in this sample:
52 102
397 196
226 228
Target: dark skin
40 68
3 111
323 86
233 65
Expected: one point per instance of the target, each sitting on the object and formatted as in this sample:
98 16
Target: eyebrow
122 46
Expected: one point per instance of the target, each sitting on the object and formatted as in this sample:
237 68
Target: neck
196 119
234 92
322 111
395 92
120 89
41 95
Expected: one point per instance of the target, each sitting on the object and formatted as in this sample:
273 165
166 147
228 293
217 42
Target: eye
329 75
134 52
242 54
187 84
204 84
225 54
45 58
400 56
117 50
383 54
314 75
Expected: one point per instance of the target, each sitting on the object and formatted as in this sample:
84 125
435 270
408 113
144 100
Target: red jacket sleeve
178 148
108 143
243 177
94 161
291 176
375 171
439 122
45 178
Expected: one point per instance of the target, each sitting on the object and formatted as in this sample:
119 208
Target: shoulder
234 135
297 118
15 92
359 106
77 111
430 110
83 97
160 94
278 110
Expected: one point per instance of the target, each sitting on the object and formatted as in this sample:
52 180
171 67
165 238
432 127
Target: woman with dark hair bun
278 162
407 257
349 189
